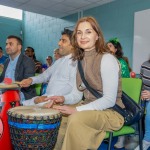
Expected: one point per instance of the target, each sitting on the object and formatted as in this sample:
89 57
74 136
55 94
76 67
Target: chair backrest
132 87
38 87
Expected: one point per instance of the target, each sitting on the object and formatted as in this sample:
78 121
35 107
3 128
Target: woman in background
116 49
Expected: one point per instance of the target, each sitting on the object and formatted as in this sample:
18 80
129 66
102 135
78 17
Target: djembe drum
9 97
33 127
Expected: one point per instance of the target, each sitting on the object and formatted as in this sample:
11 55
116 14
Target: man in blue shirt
18 66
2 57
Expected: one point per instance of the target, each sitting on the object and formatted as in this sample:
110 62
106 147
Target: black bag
132 112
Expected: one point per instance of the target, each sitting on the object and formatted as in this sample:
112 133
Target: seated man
2 59
61 76
49 62
18 66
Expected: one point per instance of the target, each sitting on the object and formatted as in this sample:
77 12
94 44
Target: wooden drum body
33 127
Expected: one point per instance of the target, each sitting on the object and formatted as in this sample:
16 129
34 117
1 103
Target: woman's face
86 36
111 48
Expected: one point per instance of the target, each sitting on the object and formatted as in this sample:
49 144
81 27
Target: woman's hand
49 104
65 109
56 99
145 95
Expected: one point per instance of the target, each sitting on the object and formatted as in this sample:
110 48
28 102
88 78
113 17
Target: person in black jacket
29 51
18 66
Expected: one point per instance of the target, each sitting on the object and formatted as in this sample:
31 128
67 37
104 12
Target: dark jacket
25 68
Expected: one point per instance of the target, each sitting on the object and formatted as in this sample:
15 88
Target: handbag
132 112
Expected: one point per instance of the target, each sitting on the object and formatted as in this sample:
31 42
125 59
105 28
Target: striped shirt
145 75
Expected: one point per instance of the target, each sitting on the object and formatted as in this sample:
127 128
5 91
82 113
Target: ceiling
54 8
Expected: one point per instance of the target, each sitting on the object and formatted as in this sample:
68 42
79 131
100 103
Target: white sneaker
131 142
146 145
131 145
120 142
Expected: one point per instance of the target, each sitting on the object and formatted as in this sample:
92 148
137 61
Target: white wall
141 43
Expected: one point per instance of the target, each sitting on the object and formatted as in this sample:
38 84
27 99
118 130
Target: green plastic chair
131 86
38 87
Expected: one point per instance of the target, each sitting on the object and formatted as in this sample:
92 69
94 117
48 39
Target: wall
8 27
116 20
43 32
141 43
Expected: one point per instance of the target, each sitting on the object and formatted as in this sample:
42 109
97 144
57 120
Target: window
10 12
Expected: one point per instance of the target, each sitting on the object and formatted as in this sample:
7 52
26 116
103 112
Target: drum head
32 112
8 86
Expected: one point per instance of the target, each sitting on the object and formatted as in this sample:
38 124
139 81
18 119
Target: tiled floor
104 146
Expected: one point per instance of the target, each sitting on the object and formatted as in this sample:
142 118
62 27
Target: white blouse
110 76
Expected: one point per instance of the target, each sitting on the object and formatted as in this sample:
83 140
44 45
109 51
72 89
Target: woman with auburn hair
89 121
99 43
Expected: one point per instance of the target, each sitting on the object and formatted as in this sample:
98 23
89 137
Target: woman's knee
74 118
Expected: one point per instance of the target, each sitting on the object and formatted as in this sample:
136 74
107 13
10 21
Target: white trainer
131 142
120 143
146 145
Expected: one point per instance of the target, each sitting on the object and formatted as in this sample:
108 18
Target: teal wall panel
43 32
116 20
8 27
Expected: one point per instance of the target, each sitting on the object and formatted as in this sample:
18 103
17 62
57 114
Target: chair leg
140 134
110 140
